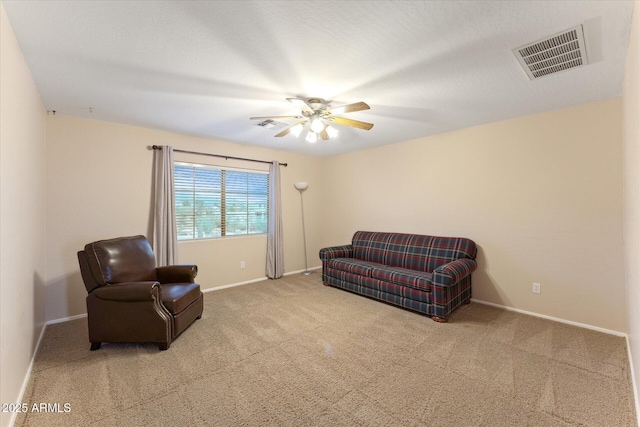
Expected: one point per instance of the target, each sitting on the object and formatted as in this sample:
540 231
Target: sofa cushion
404 277
351 265
410 251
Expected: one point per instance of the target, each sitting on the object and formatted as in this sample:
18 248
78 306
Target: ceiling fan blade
301 104
324 135
275 117
349 122
349 108
287 130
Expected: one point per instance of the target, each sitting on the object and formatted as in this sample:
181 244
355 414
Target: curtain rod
157 147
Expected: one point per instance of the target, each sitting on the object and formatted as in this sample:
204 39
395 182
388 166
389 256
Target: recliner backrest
124 259
89 282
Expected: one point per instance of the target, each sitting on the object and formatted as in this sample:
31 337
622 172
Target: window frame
226 194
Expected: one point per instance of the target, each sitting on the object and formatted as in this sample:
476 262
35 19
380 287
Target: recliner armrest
177 273
129 292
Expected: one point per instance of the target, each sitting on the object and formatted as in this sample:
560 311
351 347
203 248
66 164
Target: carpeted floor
293 352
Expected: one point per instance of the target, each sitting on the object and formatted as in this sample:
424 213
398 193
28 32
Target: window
215 202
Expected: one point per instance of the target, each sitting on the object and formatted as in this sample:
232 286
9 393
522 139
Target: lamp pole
301 187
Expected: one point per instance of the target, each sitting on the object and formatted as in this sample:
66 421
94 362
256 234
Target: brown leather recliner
130 300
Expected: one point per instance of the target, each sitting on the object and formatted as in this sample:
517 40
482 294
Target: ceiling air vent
272 124
559 52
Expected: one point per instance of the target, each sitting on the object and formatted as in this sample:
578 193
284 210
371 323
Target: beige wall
631 122
540 195
99 186
22 217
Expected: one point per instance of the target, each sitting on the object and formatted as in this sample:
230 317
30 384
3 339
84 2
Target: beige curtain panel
165 235
275 241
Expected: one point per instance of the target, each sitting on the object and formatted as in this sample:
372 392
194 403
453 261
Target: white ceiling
203 68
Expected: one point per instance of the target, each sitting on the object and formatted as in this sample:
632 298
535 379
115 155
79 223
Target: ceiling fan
317 112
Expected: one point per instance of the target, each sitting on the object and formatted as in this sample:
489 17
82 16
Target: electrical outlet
536 288
242 264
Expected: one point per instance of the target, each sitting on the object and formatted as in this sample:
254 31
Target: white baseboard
66 319
27 376
233 285
300 271
634 383
555 319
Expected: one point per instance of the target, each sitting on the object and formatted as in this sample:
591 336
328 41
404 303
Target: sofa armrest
345 251
453 272
129 292
177 273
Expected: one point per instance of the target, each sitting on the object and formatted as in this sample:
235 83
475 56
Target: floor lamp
301 186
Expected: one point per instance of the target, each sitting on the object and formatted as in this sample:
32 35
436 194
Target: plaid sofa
428 274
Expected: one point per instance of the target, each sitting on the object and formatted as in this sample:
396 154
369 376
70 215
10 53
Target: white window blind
215 202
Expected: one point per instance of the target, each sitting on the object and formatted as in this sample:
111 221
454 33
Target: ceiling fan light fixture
311 137
320 117
331 131
297 129
316 125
